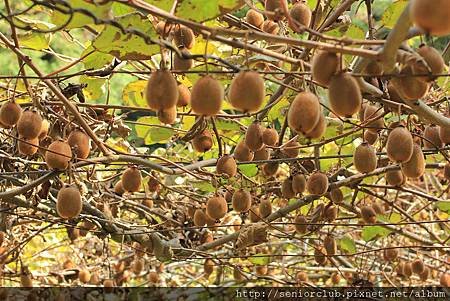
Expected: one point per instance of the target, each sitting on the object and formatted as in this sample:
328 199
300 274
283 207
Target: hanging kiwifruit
207 96
28 147
432 139
84 276
69 203
320 256
336 195
286 189
390 254
375 114
301 277
241 201
433 59
261 270
79 142
131 179
26 278
395 177
301 224
417 266
365 158
270 169
265 208
2 237
444 280
226 165
262 154
291 149
270 137
184 96
374 68
408 86
415 167
400 145
301 14
203 141
447 171
29 124
162 90
330 213
298 183
317 183
273 9
183 62
163 28
247 91
304 112
431 16
167 116
44 129
138 265
329 244
368 215
271 27
216 207
200 218
407 269
253 136
58 155
183 36
242 152
444 134
118 188
425 274
10 113
370 137
208 267
254 215
254 18
324 65
320 128
344 95
108 285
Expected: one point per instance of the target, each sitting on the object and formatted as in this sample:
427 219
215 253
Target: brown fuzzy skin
254 215
301 277
336 195
108 285
320 256
290 149
370 137
206 96
242 152
181 64
425 274
365 158
203 141
304 112
200 218
167 116
301 14
69 203
253 136
319 130
216 207
444 135
26 280
344 95
399 146
270 137
79 142
10 113
415 167
28 147
29 124
317 183
131 179
432 139
84 276
44 129
270 169
434 61
274 6
162 28
241 201
138 265
431 16
329 244
261 270
375 114
390 254
208 267
226 165
184 96
271 27
335 278
395 177
407 269
183 36
324 65
262 154
162 90
447 171
410 87
444 280
58 155
247 91
368 215
417 266
153 277
301 224
265 208
2 237
254 18
374 68
330 213
286 189
118 188
298 183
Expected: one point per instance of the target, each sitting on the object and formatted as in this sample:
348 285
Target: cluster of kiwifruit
431 16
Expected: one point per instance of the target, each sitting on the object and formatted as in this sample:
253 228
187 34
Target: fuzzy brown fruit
320 256
216 207
29 124
375 114
274 9
28 147
131 179
69 203
434 61
108 285
417 266
253 136
301 277
265 208
10 113
58 155
168 116
447 171
153 277
200 218
270 137
304 112
262 154
270 169
271 27
163 28
410 87
317 183
242 153
183 36
444 280
344 95
368 215
286 189
254 18
319 130
203 141
336 195
431 16
335 278
298 183
184 96
118 188
183 62
254 215
330 213
395 177
247 91
44 129
301 15
324 66
432 139
330 246
365 158
390 254
400 145
84 276
162 90
226 165
241 201
291 149
444 134
138 265
301 224
206 96
79 142
370 137
415 167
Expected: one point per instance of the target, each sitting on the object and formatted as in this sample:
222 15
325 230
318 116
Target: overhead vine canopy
224 142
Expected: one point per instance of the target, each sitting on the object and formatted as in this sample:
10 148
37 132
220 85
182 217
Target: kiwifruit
208 267
203 141
368 214
207 96
44 129
433 59
400 145
184 96
265 208
330 213
370 137
68 264
270 137
200 218
241 201
417 266
271 27
183 36
2 237
298 183
84 275
183 62
431 135
253 136
390 254
254 18
425 274
415 167
409 87
291 149
304 112
274 9
163 28
261 270
286 189
301 14
109 285
69 203
330 246
131 179
167 116
394 93
444 280
153 277
400 269
344 95
270 169
29 124
444 134
362 111
229 191
431 16
237 275
447 171
262 154
335 278
317 183
162 90
226 165
301 277
407 269
378 208
374 68
58 155
375 114
216 207
336 195
118 188
318 131
79 142
255 215
147 203
242 152
10 113
301 225
28 147
247 91
365 158
26 279
320 256
324 65
138 265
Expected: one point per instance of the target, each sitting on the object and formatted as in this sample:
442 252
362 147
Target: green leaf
35 40
374 232
96 59
152 132
133 94
348 244
250 170
204 186
100 11
227 125
95 87
259 259
443 206
391 15
202 10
